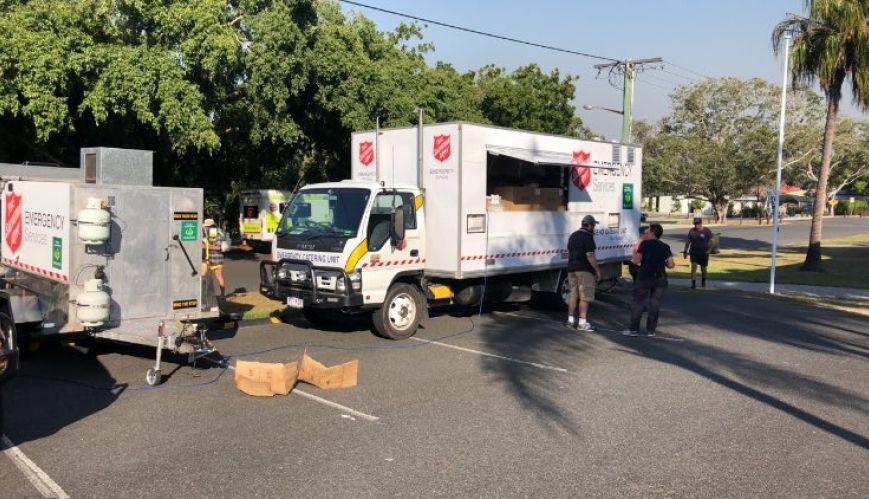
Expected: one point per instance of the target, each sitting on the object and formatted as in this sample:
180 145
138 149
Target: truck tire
553 301
400 314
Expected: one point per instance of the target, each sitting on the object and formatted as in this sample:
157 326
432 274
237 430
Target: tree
718 137
830 46
235 94
529 99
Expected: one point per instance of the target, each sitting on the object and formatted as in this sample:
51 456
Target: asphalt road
751 235
740 397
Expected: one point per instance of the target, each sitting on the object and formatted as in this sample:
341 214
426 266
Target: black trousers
648 293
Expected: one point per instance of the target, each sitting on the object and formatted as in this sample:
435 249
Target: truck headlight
355 279
283 273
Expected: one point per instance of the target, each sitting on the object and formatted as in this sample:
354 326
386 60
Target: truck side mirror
396 232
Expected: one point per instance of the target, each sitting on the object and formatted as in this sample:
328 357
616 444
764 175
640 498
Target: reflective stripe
356 255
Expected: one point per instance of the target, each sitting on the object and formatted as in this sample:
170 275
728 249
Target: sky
697 37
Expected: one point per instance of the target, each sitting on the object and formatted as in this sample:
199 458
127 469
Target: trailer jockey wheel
153 377
400 314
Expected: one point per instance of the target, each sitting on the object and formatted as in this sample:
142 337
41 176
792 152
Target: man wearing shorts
582 274
698 245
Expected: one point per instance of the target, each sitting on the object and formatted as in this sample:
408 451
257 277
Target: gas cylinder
92 304
94 222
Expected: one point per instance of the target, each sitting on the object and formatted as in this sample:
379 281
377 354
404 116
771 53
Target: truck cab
342 247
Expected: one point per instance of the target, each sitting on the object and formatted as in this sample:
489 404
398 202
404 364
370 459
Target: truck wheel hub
402 311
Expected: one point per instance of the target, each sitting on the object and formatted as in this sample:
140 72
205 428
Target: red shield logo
442 147
581 175
366 152
12 224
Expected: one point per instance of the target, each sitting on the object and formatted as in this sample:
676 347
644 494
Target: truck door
384 260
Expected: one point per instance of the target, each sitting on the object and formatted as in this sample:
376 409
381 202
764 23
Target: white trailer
470 211
119 261
259 212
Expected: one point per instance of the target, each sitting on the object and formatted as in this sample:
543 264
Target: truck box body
476 228
148 276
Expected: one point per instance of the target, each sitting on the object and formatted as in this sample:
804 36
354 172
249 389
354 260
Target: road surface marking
492 355
354 412
40 479
336 405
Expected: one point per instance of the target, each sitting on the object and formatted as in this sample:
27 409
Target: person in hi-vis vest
273 218
212 259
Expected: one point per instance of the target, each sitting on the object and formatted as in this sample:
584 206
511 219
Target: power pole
627 69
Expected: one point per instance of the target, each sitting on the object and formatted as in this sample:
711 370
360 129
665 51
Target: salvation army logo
442 147
366 152
580 175
12 226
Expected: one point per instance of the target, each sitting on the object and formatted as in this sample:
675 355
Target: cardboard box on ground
530 198
262 379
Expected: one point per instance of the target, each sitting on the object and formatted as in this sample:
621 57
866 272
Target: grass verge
844 265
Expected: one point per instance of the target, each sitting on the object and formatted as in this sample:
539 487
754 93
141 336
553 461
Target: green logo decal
189 230
56 253
627 196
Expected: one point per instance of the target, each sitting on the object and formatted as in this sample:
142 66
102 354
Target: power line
692 80
647 82
477 32
664 80
683 68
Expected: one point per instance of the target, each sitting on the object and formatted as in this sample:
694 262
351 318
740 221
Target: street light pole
778 163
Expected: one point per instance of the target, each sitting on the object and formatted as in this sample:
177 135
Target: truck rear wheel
400 314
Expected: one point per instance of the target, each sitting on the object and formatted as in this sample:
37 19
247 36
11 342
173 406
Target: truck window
381 214
386 201
325 211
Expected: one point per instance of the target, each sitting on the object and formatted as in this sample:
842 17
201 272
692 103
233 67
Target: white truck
450 213
99 251
259 212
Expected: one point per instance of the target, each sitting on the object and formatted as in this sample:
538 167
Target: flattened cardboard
328 378
265 380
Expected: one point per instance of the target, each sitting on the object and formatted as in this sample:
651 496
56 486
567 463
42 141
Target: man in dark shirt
582 273
698 246
654 258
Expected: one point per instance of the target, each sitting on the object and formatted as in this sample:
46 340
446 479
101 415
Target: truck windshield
335 211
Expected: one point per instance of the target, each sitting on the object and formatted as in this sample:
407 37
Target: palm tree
830 45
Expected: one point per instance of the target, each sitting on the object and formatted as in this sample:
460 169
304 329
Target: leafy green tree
234 94
529 99
830 45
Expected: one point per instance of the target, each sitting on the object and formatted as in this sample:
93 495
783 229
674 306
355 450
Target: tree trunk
813 254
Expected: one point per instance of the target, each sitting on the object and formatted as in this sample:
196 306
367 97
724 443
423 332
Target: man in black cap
698 246
583 273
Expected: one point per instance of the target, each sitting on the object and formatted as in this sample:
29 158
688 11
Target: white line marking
492 355
310 396
40 479
366 417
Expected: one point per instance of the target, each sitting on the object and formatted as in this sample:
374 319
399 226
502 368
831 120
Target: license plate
295 302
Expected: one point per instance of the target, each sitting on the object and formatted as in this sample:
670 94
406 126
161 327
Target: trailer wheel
153 377
400 314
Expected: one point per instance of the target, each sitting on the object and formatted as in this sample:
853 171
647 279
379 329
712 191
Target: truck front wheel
400 314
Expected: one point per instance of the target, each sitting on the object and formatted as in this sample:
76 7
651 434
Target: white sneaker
586 326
